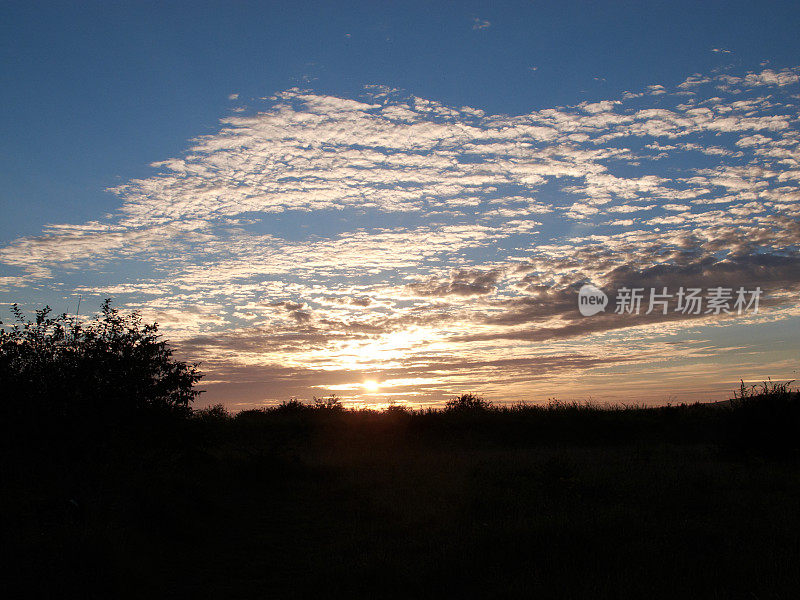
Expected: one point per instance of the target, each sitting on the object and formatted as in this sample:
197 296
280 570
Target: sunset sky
400 201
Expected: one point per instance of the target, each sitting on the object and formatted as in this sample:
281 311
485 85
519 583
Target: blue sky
408 194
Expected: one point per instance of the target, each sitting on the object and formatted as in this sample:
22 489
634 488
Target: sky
397 202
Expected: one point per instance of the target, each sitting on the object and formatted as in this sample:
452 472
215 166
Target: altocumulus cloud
437 246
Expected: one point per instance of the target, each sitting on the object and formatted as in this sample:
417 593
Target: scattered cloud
313 238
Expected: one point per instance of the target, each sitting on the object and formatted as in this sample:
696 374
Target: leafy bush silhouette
114 367
469 401
292 405
216 412
397 409
331 402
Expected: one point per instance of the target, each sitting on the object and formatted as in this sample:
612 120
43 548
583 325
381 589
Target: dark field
566 502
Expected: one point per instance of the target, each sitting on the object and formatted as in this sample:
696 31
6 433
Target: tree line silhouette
114 486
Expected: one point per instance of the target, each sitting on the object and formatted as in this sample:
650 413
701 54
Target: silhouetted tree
467 402
112 367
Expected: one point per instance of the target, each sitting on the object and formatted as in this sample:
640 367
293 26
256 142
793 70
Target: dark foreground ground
568 502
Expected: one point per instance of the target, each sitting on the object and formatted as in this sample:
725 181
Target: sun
371 385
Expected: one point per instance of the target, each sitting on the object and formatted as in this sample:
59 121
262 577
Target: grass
477 501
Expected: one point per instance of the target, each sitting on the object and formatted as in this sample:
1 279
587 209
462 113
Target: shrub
292 405
331 402
467 402
114 367
216 412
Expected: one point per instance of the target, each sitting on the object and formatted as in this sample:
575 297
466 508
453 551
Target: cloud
464 282
727 82
392 234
